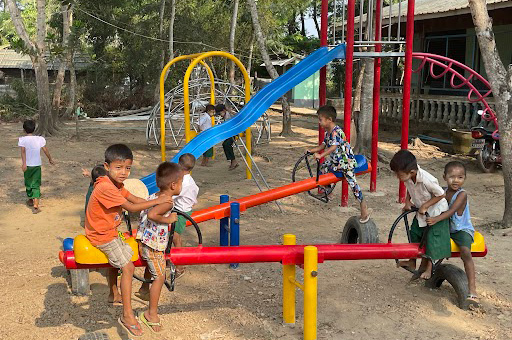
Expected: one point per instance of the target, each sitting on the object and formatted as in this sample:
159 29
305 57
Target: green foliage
20 102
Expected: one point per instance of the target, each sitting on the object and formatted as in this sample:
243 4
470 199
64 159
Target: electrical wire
153 38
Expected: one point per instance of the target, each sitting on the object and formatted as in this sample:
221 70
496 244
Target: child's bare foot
115 299
409 265
142 294
153 323
427 274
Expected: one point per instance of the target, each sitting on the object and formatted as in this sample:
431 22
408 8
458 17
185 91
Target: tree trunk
315 17
501 85
292 24
72 90
59 82
358 89
171 40
46 125
71 109
302 24
36 50
156 94
364 118
232 36
287 124
251 52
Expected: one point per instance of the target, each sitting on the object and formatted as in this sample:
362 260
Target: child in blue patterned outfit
338 155
461 228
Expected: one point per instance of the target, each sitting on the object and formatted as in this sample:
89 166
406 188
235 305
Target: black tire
357 232
79 281
487 167
457 279
95 336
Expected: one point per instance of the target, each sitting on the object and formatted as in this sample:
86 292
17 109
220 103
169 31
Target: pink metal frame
447 65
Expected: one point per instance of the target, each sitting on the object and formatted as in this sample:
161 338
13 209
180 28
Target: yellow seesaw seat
478 245
86 253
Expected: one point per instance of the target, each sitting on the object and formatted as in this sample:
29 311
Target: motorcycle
487 146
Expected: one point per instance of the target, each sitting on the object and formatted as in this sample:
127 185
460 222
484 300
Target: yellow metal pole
288 286
162 98
247 88
310 291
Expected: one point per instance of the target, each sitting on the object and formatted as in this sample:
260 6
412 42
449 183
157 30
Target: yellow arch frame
196 59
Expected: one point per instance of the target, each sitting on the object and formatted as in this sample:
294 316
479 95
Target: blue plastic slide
256 106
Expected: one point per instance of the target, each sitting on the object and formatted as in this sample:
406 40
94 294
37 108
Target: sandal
149 324
233 167
131 328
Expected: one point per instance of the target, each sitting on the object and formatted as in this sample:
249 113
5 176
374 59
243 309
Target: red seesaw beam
275 253
222 210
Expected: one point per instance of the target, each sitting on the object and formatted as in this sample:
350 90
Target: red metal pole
349 69
406 99
376 99
322 94
275 253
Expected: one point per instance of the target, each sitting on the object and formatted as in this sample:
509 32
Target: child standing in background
97 171
31 163
205 122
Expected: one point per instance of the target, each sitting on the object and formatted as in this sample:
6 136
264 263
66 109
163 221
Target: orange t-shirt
103 215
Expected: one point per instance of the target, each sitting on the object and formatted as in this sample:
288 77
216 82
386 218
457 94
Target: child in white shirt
31 163
424 193
184 202
205 122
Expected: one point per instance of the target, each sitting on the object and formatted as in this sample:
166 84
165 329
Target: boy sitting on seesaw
461 228
103 217
153 235
338 155
424 193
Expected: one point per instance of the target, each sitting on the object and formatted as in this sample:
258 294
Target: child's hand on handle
86 173
318 156
407 207
432 220
422 210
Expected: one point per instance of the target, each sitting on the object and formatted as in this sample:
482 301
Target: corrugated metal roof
425 7
429 9
12 59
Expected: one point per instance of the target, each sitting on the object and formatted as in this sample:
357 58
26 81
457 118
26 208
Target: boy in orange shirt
103 217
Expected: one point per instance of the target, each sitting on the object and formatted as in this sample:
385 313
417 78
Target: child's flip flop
131 328
149 324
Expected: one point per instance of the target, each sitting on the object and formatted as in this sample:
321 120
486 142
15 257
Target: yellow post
310 291
288 285
186 99
162 98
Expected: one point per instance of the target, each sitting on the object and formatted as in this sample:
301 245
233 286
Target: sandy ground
356 300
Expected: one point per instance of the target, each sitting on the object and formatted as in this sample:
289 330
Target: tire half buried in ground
357 232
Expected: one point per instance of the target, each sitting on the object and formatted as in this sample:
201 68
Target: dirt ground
356 300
